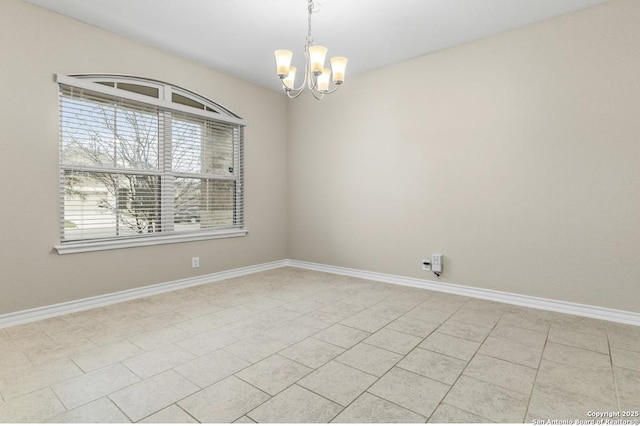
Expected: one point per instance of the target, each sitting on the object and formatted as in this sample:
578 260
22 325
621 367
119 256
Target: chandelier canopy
317 78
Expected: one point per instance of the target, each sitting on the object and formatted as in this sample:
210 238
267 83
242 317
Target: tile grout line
535 379
119 408
66 410
155 375
613 371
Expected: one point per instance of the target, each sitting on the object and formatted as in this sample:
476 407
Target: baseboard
36 314
590 311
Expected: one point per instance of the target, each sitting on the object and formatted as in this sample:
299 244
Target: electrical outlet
195 262
426 264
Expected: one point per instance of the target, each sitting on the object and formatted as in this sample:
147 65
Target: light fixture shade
283 62
323 80
316 57
290 80
339 67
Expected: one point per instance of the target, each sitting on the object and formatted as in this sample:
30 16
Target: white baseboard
597 312
36 314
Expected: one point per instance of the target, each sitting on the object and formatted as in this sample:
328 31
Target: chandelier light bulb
323 80
290 80
316 57
283 62
338 67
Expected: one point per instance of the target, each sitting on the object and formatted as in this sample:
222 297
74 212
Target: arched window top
165 94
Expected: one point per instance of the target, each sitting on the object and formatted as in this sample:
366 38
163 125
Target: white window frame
213 112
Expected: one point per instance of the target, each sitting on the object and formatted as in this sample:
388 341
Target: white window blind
132 167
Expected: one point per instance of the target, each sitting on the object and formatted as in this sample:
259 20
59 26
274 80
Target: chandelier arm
317 94
295 95
302 85
304 82
312 82
320 94
288 91
335 89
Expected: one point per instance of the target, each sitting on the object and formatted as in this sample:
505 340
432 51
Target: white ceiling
239 36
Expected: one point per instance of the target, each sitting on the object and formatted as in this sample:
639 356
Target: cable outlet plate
436 262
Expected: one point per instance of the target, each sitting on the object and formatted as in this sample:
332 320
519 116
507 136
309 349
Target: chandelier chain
311 8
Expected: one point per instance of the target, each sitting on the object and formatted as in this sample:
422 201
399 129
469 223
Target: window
143 162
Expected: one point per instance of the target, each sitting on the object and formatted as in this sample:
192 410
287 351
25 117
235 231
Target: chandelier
316 77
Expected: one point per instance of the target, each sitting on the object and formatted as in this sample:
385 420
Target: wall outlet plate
426 264
195 262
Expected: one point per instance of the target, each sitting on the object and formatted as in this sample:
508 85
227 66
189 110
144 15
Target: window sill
86 246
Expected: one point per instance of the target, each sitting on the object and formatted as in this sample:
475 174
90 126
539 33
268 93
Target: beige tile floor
291 345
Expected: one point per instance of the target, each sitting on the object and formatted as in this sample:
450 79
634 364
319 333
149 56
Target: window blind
129 169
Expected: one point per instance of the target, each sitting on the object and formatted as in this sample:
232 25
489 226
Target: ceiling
239 36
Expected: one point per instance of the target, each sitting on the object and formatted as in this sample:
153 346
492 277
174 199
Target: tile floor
290 345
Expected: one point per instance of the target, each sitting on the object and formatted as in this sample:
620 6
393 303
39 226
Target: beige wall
34 45
517 157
